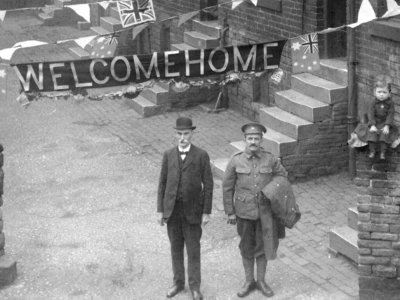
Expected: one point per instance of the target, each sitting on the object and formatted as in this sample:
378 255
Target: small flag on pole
305 54
136 12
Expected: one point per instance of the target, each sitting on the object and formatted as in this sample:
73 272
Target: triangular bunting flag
186 17
7 53
84 41
236 3
104 4
138 29
393 9
365 14
2 15
305 53
255 2
82 10
136 12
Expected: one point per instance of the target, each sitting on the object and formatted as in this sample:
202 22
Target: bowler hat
183 123
253 128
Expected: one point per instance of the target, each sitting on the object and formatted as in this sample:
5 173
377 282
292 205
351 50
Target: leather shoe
247 288
197 295
265 289
175 289
383 156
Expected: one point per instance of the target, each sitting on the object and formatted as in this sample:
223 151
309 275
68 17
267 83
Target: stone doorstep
303 106
143 106
83 25
210 28
181 47
156 94
111 24
334 70
287 123
319 88
352 218
343 240
199 40
115 13
44 17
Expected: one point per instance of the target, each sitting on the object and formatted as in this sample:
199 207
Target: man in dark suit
184 203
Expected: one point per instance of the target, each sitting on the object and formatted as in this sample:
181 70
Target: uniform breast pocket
243 171
266 172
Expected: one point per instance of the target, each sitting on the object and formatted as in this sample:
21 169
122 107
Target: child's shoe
371 155
383 155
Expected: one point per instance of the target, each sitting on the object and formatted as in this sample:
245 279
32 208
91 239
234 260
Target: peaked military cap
183 123
254 128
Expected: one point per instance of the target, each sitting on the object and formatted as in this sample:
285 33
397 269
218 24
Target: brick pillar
8 267
379 227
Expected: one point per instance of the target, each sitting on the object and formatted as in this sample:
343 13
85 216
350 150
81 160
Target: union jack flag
309 43
136 12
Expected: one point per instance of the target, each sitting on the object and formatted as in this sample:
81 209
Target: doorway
335 43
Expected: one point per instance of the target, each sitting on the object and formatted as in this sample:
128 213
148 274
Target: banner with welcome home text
121 70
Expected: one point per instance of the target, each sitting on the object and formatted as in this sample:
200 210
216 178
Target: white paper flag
2 15
7 53
393 9
365 14
81 9
236 3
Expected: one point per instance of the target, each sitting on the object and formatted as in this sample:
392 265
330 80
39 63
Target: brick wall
379 226
379 213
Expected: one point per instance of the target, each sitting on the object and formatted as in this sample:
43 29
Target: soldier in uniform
184 202
247 173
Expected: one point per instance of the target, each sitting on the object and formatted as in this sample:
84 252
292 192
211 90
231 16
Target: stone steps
287 123
110 24
209 28
303 106
343 240
319 88
200 40
156 94
143 106
334 70
181 47
98 30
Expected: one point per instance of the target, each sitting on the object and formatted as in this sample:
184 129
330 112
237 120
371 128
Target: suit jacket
197 184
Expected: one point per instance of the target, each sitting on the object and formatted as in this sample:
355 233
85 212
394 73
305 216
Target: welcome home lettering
121 70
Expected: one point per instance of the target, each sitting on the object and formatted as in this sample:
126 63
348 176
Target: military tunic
245 176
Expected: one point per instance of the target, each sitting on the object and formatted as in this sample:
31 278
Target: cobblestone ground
79 212
324 201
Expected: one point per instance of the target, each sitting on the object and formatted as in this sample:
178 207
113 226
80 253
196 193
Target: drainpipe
351 83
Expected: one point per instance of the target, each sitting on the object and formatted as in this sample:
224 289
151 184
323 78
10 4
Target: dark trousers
251 242
182 233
